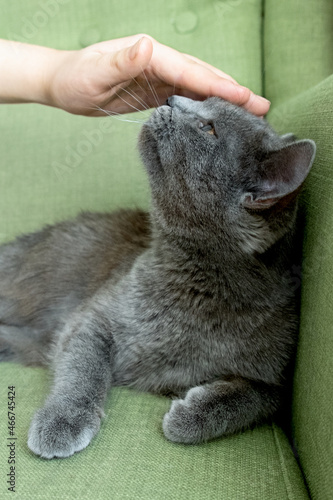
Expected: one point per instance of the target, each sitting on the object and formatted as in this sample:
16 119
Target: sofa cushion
130 459
311 115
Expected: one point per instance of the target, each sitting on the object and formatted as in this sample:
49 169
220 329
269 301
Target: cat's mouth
160 123
161 116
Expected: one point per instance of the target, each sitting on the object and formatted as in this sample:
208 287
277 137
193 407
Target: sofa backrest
297 46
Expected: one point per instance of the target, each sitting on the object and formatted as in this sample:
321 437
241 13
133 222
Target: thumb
128 62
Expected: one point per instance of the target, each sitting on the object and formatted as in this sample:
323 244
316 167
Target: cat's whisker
127 103
118 116
152 90
142 103
173 87
142 88
136 97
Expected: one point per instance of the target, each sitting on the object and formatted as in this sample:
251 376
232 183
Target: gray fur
194 298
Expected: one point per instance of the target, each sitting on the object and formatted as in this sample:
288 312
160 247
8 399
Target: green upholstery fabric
311 115
130 458
53 165
298 41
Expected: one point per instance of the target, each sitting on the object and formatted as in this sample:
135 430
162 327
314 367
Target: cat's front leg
72 412
220 408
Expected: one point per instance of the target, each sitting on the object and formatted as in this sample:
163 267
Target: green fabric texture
311 115
130 458
60 164
297 46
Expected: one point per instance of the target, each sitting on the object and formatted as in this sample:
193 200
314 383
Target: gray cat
195 298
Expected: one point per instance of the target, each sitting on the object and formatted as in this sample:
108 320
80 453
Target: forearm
25 72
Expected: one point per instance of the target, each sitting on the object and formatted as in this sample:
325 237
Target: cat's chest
161 357
167 341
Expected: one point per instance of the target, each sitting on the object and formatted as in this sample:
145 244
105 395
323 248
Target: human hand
134 73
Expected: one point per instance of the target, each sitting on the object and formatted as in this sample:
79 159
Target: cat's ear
282 173
288 137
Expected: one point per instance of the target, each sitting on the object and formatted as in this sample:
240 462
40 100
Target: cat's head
217 172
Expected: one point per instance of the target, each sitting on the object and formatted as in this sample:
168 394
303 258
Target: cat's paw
60 432
185 421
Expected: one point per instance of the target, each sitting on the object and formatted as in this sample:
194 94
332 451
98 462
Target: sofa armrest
310 114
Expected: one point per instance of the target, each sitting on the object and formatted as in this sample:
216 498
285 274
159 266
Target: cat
194 298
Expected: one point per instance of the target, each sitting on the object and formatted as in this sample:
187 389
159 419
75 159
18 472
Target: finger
217 71
108 46
249 100
254 103
193 77
126 63
215 85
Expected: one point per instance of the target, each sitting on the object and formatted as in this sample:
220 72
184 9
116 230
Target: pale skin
116 76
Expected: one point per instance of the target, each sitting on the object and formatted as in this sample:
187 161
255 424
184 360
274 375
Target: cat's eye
207 127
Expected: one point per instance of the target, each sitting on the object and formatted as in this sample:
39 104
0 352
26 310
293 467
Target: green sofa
52 165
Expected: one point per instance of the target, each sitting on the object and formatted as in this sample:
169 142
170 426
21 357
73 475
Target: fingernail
133 52
263 99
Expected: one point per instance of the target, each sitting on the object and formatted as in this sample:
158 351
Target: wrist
29 70
50 73
44 66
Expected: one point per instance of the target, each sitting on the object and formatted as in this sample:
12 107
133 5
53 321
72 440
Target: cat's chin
145 139
145 134
148 148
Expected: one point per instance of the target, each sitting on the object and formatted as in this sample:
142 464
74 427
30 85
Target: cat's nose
179 102
170 101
